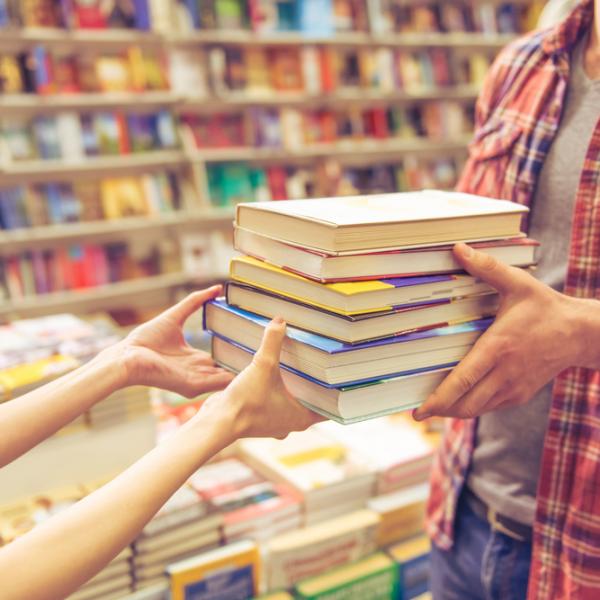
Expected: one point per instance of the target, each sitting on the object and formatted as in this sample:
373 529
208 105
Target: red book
328 125
79 277
123 139
89 14
377 123
277 178
328 73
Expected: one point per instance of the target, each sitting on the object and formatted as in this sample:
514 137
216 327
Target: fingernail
278 321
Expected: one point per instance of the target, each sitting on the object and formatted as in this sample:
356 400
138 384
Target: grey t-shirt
506 461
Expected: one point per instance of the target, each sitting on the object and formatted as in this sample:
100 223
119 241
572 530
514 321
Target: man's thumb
499 275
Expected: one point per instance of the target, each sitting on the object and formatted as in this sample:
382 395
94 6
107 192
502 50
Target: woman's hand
257 401
156 353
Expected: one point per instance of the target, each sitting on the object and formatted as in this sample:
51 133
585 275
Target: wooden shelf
34 171
36 103
237 100
146 291
396 40
91 39
30 237
367 151
146 101
97 39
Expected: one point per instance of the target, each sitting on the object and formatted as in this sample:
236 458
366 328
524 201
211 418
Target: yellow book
228 572
354 297
22 378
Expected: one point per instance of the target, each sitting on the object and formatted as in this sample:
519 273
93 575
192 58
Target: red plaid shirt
517 116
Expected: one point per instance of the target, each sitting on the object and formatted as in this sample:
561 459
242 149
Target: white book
383 221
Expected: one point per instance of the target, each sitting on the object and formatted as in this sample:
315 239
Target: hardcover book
429 217
354 329
352 266
345 404
336 363
354 297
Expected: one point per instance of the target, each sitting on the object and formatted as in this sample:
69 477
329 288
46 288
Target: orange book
123 139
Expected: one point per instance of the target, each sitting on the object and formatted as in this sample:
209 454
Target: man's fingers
473 367
270 347
482 398
499 275
191 303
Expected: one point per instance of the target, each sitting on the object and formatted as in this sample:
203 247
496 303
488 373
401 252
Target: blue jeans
481 565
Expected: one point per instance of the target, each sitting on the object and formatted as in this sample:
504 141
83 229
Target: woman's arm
153 354
58 556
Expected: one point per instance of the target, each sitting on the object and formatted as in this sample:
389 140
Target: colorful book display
364 347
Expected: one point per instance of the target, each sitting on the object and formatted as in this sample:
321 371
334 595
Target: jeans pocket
505 568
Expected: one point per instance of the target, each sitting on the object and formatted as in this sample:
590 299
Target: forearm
29 419
57 557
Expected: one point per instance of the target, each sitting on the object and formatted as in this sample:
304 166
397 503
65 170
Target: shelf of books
230 100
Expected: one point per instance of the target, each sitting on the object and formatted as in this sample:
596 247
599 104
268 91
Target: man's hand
537 333
156 353
257 397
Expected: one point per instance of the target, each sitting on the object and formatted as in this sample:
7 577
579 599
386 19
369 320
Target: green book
374 577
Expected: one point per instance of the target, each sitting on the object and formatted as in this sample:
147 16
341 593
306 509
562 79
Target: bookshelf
431 68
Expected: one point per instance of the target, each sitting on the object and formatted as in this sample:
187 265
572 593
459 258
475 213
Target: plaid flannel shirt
517 116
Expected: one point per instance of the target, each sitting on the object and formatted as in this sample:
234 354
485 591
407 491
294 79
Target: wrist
586 316
115 363
218 416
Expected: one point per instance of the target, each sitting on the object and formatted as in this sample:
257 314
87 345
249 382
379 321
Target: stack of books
250 506
331 479
395 448
402 513
298 555
377 307
180 529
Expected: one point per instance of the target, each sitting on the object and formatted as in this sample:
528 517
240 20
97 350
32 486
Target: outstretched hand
535 336
156 353
258 398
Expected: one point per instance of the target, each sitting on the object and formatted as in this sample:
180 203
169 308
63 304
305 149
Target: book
402 514
345 404
326 474
230 571
354 297
301 554
374 577
396 449
337 363
359 328
351 266
383 221
413 559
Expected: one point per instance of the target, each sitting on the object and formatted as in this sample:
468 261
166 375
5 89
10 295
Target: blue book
347 403
335 363
4 16
142 15
315 18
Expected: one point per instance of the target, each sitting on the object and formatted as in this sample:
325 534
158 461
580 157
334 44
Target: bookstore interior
150 148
